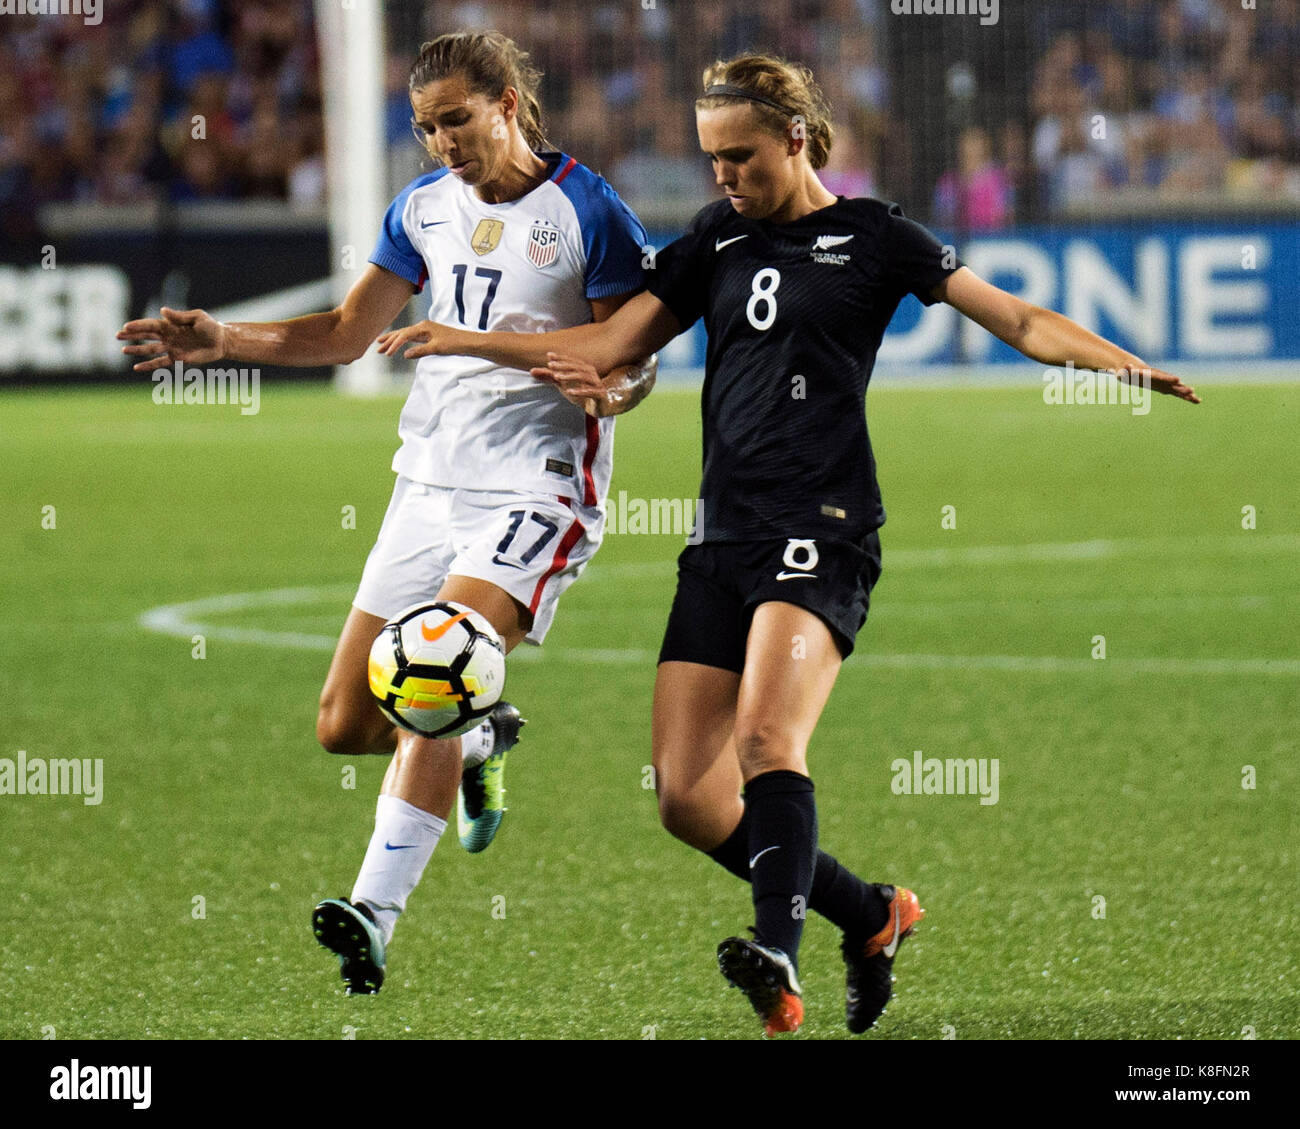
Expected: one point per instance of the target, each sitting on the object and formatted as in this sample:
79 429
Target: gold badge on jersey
486 236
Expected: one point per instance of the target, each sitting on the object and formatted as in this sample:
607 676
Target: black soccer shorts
719 586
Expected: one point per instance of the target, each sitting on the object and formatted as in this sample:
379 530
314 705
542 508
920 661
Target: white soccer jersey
528 265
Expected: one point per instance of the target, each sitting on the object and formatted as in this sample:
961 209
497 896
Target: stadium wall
60 312
1176 293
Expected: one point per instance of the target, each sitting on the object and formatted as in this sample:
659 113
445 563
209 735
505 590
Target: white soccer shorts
532 545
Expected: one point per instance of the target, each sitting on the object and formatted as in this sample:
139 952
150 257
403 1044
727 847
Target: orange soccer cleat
768 979
869 980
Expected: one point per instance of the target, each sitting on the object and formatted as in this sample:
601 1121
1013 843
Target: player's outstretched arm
1049 337
639 327
334 338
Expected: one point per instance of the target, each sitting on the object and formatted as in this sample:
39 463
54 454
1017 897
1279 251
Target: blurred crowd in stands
182 100
1179 97
187 100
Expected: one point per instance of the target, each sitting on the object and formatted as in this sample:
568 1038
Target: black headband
741 92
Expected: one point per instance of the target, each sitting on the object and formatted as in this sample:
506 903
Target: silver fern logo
821 249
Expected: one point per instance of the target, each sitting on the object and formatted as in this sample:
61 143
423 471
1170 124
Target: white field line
188 618
1033 605
1170 547
1047 664
184 619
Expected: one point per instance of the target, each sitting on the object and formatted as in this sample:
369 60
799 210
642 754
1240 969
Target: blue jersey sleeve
394 250
612 237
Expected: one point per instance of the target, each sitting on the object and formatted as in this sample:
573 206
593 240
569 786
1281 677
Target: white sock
476 745
399 850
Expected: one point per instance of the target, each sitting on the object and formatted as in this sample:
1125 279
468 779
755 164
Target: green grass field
1119 778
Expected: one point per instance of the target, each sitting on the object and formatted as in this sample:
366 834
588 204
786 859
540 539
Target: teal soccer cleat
481 800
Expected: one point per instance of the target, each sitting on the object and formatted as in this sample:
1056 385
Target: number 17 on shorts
534 548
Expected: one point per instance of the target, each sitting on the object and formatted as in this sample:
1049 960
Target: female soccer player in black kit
796 287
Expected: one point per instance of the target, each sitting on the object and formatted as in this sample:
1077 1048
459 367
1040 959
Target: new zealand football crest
486 236
543 244
822 253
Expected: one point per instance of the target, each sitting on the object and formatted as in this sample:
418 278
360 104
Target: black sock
782 854
844 899
838 894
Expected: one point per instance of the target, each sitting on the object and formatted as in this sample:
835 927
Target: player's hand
426 339
577 381
189 336
1164 382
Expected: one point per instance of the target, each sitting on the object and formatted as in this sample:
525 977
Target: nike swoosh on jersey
890 949
400 847
761 854
796 575
718 244
432 223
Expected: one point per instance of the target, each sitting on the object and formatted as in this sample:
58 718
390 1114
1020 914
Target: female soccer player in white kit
501 479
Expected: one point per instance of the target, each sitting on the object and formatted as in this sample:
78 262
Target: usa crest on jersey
543 244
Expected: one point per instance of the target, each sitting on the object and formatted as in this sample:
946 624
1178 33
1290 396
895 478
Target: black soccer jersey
794 314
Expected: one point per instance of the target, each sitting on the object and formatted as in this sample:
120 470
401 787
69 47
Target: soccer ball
437 669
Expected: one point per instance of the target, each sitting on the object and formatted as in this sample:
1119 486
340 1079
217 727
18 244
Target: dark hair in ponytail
489 62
